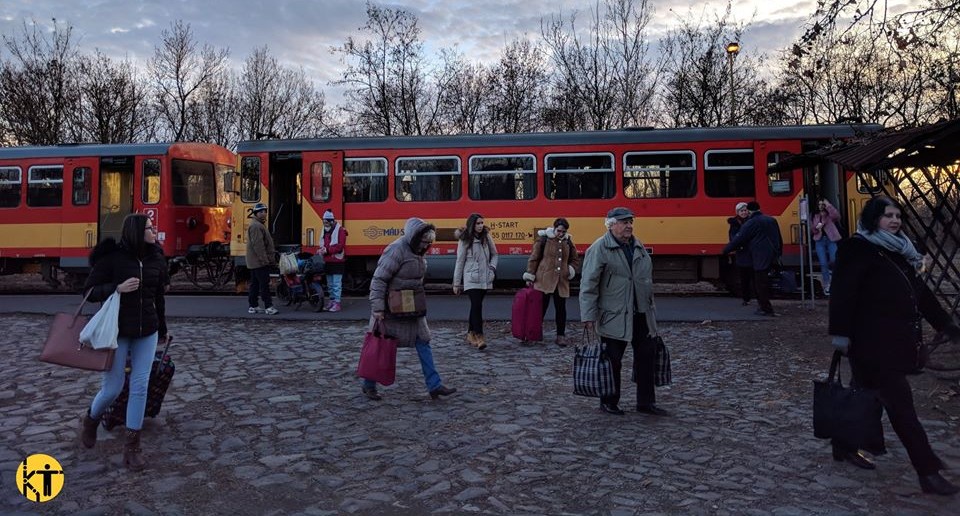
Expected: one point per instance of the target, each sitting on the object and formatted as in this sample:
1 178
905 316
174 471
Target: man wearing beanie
760 237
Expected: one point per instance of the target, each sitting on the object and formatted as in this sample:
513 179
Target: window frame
32 181
326 177
143 181
209 176
385 175
18 182
707 169
612 171
691 169
86 188
458 174
471 172
245 178
777 177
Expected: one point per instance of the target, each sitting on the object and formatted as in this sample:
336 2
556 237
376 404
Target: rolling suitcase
526 320
160 376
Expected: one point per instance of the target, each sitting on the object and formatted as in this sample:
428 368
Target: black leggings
476 309
560 306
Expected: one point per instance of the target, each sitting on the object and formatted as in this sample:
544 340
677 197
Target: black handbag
850 415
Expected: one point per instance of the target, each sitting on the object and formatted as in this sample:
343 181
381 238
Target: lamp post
732 48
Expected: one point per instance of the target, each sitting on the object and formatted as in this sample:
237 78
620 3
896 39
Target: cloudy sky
302 32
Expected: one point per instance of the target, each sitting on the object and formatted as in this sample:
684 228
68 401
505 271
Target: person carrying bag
63 345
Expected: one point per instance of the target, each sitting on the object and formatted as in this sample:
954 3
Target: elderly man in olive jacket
616 300
260 257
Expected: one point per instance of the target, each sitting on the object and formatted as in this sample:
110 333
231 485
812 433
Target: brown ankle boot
132 457
481 343
88 430
471 338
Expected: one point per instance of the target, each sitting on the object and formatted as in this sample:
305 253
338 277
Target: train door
79 232
827 180
286 199
325 173
116 195
148 199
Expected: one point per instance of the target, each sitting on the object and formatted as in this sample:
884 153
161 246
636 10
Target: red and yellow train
57 202
682 183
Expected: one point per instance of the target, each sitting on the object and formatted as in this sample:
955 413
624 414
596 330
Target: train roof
641 135
84 150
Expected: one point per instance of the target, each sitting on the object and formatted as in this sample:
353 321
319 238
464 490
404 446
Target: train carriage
57 202
682 184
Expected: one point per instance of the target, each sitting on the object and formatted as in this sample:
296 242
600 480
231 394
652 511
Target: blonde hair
740 206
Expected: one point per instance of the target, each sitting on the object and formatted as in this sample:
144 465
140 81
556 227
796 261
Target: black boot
88 430
132 457
441 391
855 457
936 484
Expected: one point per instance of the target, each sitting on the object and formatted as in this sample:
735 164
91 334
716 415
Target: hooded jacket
553 263
476 262
142 312
401 268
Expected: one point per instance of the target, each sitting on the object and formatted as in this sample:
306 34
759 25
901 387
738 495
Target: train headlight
310 237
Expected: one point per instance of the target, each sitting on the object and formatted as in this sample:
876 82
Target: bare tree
467 102
277 102
519 87
113 108
38 85
390 89
212 112
606 71
179 71
918 25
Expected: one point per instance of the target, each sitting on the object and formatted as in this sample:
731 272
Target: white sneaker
271 311
254 310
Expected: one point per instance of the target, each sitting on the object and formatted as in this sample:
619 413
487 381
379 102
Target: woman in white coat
474 273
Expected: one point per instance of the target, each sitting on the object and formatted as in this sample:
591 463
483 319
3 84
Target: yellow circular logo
40 478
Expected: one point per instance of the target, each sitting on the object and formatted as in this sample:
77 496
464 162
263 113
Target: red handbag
63 346
378 358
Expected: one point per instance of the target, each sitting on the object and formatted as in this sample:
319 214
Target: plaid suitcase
160 376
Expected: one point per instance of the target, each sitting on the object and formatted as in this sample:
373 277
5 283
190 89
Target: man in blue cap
616 301
260 257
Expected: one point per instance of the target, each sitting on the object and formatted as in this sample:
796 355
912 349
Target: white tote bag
103 328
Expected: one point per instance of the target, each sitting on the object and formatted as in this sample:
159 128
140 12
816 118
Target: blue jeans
827 255
335 285
142 351
430 375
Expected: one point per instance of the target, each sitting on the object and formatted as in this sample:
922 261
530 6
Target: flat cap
620 213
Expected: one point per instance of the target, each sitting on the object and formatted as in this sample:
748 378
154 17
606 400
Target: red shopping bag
378 358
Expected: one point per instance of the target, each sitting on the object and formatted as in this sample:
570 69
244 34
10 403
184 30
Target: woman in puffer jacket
553 263
474 273
137 270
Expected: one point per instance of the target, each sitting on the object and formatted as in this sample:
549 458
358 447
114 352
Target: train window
321 176
250 179
193 183
150 183
779 183
503 178
365 180
11 184
223 195
82 186
428 179
729 173
579 176
651 175
45 185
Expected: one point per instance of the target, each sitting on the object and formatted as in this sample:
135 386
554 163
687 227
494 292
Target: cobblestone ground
265 417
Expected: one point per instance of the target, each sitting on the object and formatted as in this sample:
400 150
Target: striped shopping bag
592 370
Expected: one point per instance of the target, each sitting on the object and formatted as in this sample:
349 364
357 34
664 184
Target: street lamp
732 48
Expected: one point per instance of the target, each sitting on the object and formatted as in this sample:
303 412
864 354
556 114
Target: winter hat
328 215
740 206
258 208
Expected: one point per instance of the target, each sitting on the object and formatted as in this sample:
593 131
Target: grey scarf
893 242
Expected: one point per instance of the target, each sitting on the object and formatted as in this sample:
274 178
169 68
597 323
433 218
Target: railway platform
265 416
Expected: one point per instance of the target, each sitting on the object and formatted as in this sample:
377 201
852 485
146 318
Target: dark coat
742 257
760 236
141 311
876 300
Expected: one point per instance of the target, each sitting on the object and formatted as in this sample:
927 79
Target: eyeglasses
152 228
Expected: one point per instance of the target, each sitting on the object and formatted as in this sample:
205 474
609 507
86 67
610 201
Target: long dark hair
470 232
874 209
131 237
